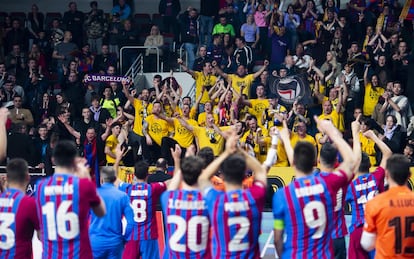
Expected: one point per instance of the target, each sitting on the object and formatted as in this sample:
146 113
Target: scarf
388 133
92 158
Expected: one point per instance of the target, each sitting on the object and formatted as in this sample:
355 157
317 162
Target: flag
407 12
292 88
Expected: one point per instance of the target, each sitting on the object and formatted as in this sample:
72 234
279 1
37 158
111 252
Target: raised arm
184 67
385 150
62 118
262 69
218 70
126 92
344 149
285 137
356 142
174 183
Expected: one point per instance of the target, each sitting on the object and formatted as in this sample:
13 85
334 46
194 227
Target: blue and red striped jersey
305 207
360 191
235 218
17 224
187 225
144 198
63 204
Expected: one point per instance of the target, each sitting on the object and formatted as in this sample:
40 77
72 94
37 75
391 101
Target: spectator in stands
74 92
41 142
262 80
279 44
160 174
34 87
215 51
331 68
401 60
96 27
20 115
10 90
123 9
309 16
398 105
74 20
63 54
151 144
302 60
392 135
169 10
202 58
16 36
208 13
86 59
46 106
339 45
128 36
223 27
104 60
354 100
111 143
99 114
109 102
291 21
61 104
55 33
16 62
37 56
154 39
355 56
243 53
189 34
35 23
3 74
115 26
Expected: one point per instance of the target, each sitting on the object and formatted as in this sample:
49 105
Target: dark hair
394 119
93 3
304 157
233 169
187 97
398 167
64 153
113 125
207 154
328 154
141 170
191 168
17 170
365 163
108 174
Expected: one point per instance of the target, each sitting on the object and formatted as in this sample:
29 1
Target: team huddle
74 219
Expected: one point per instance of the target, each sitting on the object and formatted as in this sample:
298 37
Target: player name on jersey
309 190
139 192
402 203
5 202
186 205
58 189
236 206
364 186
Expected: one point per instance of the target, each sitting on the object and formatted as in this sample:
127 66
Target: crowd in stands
355 60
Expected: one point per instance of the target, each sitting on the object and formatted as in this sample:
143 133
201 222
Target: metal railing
137 66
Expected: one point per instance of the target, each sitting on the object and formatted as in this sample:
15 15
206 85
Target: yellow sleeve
279 224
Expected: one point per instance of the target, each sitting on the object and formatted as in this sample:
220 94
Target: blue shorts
103 252
147 249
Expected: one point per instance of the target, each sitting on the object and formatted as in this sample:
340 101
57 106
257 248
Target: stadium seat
142 18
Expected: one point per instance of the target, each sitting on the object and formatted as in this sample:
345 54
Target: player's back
236 219
187 224
63 202
143 198
17 223
391 216
306 207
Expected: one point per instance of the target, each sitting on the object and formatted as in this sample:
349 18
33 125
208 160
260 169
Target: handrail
181 56
139 57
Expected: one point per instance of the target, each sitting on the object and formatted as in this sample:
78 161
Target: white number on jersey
195 223
338 206
64 223
315 217
365 198
6 220
140 210
235 244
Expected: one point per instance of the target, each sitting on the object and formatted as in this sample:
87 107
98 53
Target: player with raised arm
63 202
185 212
389 217
143 197
236 213
302 208
17 220
364 188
